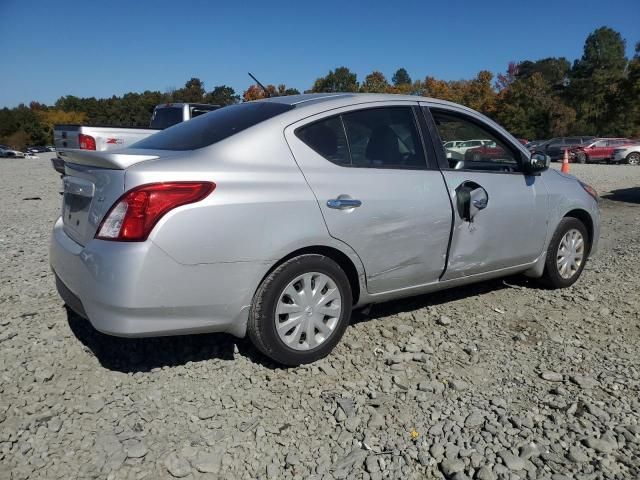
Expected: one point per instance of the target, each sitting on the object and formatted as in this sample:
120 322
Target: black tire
633 158
261 326
551 276
581 157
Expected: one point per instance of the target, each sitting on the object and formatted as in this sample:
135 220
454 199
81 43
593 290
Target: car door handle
343 203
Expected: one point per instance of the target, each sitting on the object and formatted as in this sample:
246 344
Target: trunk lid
93 181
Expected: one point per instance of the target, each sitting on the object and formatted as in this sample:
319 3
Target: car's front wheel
301 310
633 158
567 254
581 157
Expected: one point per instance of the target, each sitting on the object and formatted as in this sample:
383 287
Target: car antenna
266 92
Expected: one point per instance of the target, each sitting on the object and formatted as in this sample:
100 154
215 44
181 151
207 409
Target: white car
457 152
629 154
10 152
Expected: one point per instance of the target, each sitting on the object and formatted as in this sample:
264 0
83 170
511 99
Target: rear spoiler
117 161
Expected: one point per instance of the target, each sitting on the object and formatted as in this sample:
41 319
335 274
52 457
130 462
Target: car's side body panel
402 227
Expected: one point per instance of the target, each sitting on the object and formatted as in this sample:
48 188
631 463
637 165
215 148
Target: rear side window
375 138
327 139
384 138
208 129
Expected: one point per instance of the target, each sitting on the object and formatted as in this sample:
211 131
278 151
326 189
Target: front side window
481 149
371 138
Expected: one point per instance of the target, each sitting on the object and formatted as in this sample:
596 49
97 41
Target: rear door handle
343 203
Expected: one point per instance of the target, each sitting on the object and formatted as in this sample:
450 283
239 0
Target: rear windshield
166 117
214 126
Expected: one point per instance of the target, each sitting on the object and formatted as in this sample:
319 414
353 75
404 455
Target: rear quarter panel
260 211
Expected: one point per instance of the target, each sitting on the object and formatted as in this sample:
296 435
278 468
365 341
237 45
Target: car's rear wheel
633 158
567 254
581 157
301 310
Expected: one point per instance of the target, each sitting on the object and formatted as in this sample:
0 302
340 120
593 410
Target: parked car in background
533 144
10 152
274 218
599 150
102 139
458 152
38 149
629 154
452 144
487 151
556 147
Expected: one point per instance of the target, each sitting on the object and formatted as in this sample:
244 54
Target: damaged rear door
377 191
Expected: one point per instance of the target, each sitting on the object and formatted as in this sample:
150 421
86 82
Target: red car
601 149
485 152
490 151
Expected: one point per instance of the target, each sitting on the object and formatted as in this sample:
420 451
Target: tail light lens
134 215
87 142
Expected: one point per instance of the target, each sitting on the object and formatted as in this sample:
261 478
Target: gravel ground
501 380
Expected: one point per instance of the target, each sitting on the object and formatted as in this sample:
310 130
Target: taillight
87 142
134 215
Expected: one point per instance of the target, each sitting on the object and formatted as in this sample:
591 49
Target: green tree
192 92
554 70
401 77
339 80
222 95
596 82
529 108
375 82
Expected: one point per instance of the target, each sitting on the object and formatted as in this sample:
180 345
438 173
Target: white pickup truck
83 137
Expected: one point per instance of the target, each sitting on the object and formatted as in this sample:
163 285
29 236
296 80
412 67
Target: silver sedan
274 219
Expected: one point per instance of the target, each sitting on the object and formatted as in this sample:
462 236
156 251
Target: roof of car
307 99
182 104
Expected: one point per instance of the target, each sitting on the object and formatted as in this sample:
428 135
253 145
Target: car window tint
327 138
384 138
574 140
211 128
166 117
490 153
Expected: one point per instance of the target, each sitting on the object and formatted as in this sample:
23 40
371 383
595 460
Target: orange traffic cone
565 162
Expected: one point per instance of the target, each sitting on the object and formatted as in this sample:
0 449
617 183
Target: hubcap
570 253
308 311
634 159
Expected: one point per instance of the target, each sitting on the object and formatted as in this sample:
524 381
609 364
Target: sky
101 48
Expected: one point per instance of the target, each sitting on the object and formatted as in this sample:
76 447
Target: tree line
598 94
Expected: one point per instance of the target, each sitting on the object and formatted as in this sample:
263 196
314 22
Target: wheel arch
338 256
585 218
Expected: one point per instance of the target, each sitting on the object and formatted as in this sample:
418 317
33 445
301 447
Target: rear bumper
136 290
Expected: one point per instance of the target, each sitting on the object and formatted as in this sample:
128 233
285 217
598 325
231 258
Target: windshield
166 117
212 127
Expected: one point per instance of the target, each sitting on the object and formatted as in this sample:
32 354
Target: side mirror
536 163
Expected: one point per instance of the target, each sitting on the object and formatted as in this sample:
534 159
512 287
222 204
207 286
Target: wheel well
585 218
334 254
